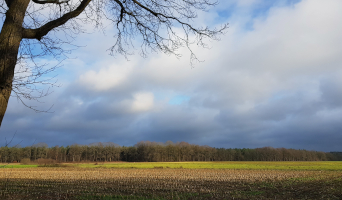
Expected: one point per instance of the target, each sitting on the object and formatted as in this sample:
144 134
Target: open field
106 182
255 165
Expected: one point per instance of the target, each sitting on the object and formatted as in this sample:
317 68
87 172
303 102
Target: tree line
158 152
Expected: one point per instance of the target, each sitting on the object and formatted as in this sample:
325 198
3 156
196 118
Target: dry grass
170 174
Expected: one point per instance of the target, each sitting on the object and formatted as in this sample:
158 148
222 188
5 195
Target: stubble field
161 182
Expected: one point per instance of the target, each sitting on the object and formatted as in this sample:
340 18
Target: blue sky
274 79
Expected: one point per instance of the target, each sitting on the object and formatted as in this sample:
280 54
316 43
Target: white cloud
143 101
293 40
106 78
245 3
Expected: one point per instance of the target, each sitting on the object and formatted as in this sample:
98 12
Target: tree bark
10 38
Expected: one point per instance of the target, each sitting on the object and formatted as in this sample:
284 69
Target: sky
274 79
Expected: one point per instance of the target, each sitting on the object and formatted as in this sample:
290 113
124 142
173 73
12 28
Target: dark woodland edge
158 152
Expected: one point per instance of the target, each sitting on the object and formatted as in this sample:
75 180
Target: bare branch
49 1
42 31
159 25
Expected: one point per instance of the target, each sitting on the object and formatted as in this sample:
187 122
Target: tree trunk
10 38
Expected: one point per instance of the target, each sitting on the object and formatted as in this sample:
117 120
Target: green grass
254 165
17 166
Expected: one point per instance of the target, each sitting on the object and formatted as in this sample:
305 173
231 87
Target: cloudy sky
274 79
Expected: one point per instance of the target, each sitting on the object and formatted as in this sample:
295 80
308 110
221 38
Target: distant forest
158 152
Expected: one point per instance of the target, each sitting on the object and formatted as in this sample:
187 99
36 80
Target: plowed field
104 183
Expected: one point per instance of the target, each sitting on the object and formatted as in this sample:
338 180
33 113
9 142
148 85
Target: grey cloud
261 87
331 90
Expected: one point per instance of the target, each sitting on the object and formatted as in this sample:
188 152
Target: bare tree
38 28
